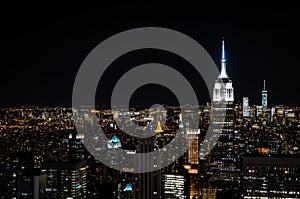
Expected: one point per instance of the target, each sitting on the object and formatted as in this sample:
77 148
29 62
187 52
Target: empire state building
223 159
223 90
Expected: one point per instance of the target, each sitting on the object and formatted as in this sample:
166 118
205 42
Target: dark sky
42 48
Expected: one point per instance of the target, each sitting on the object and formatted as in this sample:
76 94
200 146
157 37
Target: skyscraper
65 179
193 163
174 186
193 151
223 90
271 177
223 172
246 108
149 184
31 184
264 97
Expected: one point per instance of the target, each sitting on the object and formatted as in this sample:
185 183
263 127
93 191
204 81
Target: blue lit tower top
128 187
223 50
264 96
114 143
223 74
223 89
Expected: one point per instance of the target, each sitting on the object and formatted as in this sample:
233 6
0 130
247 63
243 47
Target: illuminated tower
65 179
159 131
149 184
223 171
193 163
223 90
264 97
158 128
76 148
246 108
128 192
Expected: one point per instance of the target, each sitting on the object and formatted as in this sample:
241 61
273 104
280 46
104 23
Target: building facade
223 160
264 97
246 108
65 180
271 177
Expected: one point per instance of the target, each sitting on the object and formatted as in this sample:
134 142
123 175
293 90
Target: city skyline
66 130
235 151
41 56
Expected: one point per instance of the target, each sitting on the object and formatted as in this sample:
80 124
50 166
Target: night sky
43 48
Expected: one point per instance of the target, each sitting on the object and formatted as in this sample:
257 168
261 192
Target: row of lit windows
273 191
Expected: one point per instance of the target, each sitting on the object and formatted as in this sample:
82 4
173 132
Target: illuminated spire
114 143
158 128
223 61
223 50
264 96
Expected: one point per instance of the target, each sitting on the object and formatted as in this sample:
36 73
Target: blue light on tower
128 187
223 50
151 127
264 96
78 186
223 74
115 139
114 142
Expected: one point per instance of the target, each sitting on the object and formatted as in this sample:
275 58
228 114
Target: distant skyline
41 50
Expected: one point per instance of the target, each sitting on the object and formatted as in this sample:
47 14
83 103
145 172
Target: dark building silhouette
223 172
65 179
148 184
271 177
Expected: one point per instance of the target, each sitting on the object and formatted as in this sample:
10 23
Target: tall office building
193 151
4 176
148 184
76 148
271 177
193 163
20 163
31 184
223 172
264 97
246 108
174 186
65 180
